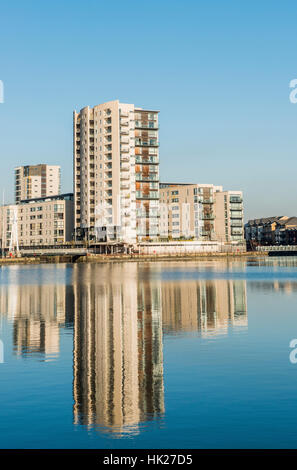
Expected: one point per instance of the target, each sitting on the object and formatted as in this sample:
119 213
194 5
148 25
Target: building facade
201 212
43 221
277 230
116 172
36 181
229 217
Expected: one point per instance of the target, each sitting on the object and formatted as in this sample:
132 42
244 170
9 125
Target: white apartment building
36 181
116 172
43 221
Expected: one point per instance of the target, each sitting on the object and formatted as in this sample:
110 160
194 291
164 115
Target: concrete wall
172 248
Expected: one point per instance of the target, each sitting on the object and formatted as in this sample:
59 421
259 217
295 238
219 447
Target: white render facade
116 172
36 181
45 221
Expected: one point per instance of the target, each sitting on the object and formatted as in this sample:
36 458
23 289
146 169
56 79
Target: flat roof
57 197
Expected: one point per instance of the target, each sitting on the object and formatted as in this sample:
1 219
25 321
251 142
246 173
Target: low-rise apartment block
116 172
41 221
201 212
36 181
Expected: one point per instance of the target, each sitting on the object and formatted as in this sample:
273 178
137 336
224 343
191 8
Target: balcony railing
142 143
146 125
146 160
208 200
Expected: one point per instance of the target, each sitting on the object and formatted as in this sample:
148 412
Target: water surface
151 355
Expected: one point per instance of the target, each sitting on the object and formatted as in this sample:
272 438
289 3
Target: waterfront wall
179 248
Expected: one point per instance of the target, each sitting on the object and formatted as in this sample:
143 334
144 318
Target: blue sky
218 71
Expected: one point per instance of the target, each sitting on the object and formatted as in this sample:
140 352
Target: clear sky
218 71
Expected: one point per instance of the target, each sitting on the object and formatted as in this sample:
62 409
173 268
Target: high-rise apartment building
201 212
116 172
36 181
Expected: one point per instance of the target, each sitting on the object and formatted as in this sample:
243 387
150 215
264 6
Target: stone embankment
90 258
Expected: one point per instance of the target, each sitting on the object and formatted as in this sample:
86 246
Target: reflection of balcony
208 200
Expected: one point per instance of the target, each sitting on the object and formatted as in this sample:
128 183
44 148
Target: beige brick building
201 212
116 172
43 221
36 181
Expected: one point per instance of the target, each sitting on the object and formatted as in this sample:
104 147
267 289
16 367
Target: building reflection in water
210 307
118 354
276 286
37 312
119 312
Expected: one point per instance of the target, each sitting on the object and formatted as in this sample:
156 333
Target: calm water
150 355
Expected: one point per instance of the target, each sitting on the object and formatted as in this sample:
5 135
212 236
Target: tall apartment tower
37 181
116 172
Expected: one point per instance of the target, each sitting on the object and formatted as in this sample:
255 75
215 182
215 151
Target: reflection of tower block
14 239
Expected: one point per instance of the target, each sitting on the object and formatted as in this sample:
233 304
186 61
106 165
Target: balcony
236 224
235 207
146 160
149 177
150 195
124 123
236 214
146 125
150 143
236 199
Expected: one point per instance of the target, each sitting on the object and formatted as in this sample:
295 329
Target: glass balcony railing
237 199
146 160
146 125
149 177
235 207
149 143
